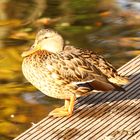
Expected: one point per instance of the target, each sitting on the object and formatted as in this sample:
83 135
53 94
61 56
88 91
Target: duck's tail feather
119 80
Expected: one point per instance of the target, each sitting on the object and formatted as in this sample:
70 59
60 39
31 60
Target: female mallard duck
65 72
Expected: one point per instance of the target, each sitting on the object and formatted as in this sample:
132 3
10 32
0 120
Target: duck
65 72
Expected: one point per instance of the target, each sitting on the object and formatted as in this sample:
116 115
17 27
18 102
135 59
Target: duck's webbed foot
66 110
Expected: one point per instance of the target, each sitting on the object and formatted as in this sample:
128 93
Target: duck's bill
31 51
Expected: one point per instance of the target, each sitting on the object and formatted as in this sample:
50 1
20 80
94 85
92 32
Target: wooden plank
103 116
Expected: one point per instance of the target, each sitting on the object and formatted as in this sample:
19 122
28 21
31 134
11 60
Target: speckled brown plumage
65 72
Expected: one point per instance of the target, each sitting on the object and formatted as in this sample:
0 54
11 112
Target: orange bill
31 51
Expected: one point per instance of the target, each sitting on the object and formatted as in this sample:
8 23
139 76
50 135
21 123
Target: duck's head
48 40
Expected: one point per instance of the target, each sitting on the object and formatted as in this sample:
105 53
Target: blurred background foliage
109 27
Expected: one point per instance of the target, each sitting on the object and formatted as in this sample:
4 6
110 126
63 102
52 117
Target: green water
109 27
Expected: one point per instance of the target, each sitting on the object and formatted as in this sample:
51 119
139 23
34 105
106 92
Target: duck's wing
101 64
97 60
78 71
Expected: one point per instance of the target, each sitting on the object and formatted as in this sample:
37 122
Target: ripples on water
109 27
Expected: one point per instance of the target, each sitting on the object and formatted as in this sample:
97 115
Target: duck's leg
66 110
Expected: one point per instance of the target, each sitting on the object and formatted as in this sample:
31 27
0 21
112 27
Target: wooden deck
103 116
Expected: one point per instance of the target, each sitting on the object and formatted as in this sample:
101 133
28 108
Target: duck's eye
45 37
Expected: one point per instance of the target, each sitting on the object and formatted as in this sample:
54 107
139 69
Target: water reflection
106 27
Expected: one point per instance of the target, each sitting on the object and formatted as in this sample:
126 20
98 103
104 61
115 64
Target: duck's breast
43 77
